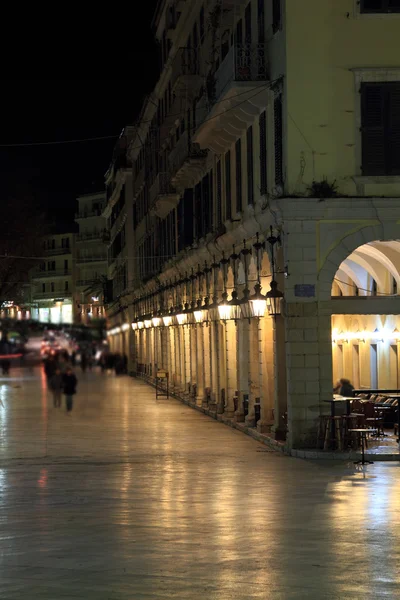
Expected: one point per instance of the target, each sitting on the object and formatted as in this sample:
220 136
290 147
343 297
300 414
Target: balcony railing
86 282
91 259
87 213
244 62
57 294
185 75
86 236
50 274
57 251
185 155
161 187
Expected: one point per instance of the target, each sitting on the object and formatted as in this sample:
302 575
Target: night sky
106 72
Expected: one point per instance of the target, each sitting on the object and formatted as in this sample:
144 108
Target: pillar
193 355
220 366
254 370
230 356
242 352
207 351
271 380
309 370
200 364
188 365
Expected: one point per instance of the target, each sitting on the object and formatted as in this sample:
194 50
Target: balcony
88 236
186 163
57 251
163 197
52 274
88 214
57 295
235 96
185 78
91 259
86 282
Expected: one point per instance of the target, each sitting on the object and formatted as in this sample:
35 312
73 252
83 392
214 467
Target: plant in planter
323 189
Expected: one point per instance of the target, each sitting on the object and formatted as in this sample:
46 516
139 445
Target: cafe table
334 400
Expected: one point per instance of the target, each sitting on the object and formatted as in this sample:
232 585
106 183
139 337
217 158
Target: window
66 286
219 195
380 6
250 168
52 286
198 209
65 265
238 156
247 24
43 287
276 15
53 244
201 25
380 128
228 187
195 36
394 286
239 32
278 131
51 265
263 152
261 21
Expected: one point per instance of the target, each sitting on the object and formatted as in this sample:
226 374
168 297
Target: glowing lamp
140 325
181 318
125 327
134 326
156 321
167 320
147 323
234 304
224 308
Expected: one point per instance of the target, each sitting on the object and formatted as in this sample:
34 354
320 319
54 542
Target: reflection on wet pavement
129 497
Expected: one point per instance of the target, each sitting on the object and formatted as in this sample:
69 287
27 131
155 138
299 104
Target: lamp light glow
224 308
167 320
140 325
147 323
181 318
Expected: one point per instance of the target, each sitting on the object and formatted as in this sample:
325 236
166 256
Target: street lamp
224 308
198 312
258 302
274 300
235 306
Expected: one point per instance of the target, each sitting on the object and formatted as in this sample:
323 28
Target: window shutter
393 146
219 195
263 153
373 129
276 15
228 187
238 156
250 168
278 131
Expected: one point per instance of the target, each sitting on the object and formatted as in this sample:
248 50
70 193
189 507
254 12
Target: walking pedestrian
69 386
56 386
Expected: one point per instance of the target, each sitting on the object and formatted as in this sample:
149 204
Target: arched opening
366 329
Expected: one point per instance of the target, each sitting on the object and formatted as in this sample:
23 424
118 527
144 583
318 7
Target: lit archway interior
365 347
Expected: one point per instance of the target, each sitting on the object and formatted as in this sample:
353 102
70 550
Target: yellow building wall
323 45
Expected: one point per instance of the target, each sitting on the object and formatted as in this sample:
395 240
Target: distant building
91 257
53 281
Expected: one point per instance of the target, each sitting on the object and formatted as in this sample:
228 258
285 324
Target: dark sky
103 72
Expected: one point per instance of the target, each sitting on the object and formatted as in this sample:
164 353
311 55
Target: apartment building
265 173
91 257
53 281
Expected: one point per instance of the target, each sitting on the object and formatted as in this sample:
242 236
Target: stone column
231 374
254 371
309 371
242 352
214 369
200 364
270 380
188 364
207 353
193 355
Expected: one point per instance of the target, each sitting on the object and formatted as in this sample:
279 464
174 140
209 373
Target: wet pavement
131 498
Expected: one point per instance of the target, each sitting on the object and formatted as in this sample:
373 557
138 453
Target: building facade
267 155
91 257
53 281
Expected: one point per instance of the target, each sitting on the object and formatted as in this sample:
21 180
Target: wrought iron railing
186 63
92 235
48 274
244 62
161 187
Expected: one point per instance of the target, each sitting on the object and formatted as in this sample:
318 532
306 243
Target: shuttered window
380 128
219 195
228 186
278 142
276 15
263 153
250 166
238 156
380 6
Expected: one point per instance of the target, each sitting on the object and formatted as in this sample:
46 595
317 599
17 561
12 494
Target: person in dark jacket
344 388
56 386
69 387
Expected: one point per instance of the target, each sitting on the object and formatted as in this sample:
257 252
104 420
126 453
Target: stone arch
343 248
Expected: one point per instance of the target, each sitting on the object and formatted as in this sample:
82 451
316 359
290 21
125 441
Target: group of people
114 362
61 380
